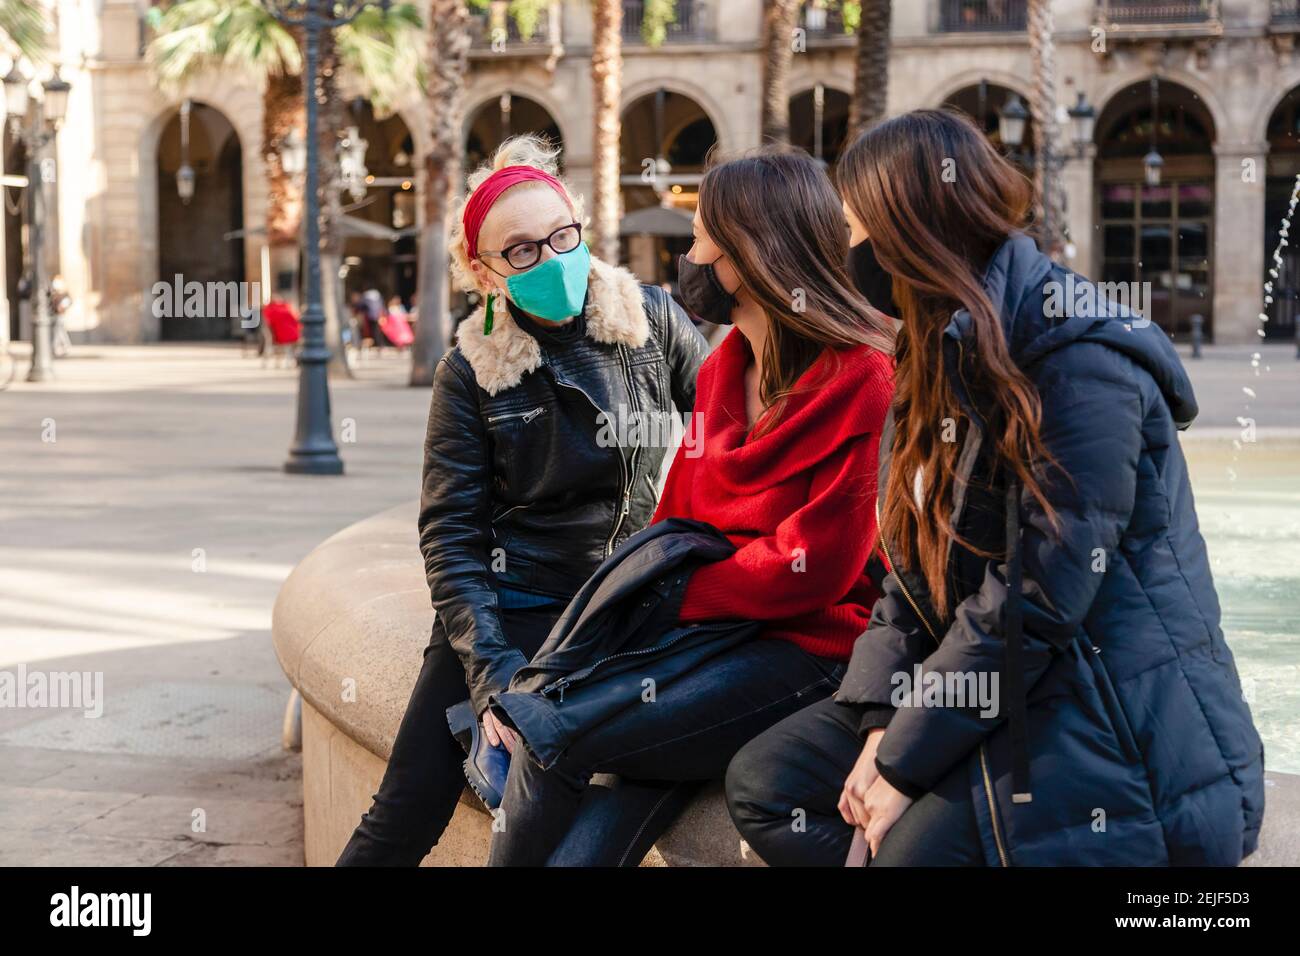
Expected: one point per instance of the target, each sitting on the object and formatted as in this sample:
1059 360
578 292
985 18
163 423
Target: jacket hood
1017 279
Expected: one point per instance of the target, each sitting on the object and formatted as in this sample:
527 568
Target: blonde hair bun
526 149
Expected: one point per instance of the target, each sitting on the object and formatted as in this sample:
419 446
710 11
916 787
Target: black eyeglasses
524 255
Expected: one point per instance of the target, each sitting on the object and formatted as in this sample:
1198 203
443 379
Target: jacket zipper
636 452
622 467
526 416
511 510
984 759
925 622
564 683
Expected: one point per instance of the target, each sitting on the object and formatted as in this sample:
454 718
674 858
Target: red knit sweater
798 502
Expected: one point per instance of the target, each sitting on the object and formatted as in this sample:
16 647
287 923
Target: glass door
1161 238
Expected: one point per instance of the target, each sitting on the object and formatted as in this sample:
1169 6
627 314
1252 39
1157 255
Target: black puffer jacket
1119 735
528 481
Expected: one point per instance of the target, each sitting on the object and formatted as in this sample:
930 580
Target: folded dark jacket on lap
618 632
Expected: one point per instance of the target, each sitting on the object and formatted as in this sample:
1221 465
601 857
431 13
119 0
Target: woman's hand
884 805
852 803
868 800
497 733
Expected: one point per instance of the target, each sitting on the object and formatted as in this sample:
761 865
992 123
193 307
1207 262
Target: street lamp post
1013 118
313 451
48 112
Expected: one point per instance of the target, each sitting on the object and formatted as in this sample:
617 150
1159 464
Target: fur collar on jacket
615 315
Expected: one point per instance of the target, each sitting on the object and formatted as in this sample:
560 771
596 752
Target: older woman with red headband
542 455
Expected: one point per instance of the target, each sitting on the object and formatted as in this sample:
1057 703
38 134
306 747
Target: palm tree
442 181
23 29
779 20
607 84
1042 58
870 66
191 35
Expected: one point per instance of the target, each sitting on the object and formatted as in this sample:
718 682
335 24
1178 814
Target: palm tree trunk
283 111
449 49
1042 58
779 19
871 66
607 83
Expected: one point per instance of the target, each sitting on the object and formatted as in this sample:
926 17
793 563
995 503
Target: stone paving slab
224 820
147 543
168 719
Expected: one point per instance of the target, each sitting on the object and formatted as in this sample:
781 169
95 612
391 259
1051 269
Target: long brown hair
937 201
779 221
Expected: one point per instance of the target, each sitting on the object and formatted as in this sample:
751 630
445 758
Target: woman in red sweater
781 458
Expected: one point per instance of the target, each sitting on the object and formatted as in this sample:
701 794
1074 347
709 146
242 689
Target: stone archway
821 129
200 240
241 106
506 114
666 140
1159 235
983 102
380 232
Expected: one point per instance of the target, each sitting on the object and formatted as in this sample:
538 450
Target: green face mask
555 289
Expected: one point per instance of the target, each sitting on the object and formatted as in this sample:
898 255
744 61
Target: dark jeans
424 779
783 788
688 733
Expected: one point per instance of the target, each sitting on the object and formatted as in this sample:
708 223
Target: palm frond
23 29
386 51
193 34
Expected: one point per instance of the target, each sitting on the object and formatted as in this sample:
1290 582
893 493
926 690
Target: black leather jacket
523 486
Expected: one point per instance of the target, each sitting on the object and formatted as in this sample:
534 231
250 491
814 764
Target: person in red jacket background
782 459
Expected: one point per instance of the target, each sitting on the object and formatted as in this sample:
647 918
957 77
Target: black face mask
702 293
871 280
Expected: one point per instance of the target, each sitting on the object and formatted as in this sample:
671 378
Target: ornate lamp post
37 134
313 451
1013 118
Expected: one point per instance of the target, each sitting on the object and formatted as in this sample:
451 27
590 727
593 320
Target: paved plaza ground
148 539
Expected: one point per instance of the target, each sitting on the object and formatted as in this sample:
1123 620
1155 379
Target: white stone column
1238 240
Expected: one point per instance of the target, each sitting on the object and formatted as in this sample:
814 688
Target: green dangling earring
487 316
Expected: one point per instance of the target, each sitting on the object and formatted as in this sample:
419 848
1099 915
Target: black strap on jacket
1013 633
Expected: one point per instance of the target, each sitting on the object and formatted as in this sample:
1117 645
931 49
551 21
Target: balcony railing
687 27
495 29
1286 11
1147 12
822 23
982 16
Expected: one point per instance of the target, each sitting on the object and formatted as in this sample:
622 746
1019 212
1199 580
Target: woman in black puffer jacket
1044 680
548 424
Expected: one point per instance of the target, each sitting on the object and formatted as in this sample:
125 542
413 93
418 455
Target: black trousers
619 820
783 788
424 779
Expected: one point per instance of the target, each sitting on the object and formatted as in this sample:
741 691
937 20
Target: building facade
1223 111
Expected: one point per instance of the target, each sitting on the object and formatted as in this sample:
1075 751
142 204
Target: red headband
490 190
